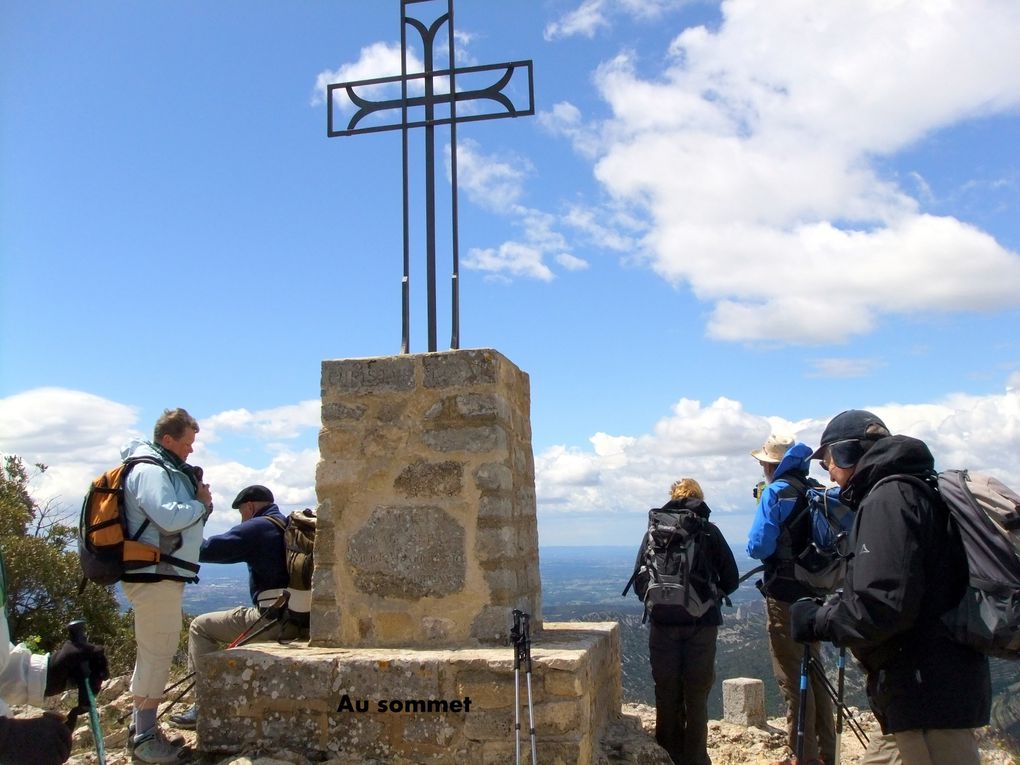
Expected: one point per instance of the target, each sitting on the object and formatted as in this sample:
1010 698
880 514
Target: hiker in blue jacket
774 540
258 542
167 505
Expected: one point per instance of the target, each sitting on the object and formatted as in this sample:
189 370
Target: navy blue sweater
257 542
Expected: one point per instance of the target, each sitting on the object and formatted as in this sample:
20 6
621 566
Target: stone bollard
744 701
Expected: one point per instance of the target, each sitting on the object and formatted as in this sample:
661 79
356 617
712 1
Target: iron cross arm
493 93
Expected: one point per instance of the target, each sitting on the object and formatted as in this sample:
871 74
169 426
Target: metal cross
368 118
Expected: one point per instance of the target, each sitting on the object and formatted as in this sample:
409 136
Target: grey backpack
986 513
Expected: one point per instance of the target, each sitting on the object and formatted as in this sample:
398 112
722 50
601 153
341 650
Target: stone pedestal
409 707
427 533
744 701
427 540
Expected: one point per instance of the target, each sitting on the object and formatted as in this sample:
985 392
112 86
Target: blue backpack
821 565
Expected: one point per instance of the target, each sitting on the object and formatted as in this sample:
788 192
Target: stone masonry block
744 701
431 479
467 368
408 553
474 440
494 476
390 373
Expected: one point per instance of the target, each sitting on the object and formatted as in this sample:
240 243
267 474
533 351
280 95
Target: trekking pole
805 665
515 639
531 709
855 726
86 699
841 669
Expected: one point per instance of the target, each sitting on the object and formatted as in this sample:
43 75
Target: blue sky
722 219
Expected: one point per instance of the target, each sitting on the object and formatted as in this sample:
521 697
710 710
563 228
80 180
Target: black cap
851 425
254 493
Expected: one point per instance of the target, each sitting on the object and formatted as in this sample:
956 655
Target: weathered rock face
427 532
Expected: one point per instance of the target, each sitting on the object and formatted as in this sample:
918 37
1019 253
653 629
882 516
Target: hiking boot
186 719
129 745
154 747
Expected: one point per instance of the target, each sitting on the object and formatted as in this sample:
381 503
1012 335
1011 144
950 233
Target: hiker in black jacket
683 655
927 691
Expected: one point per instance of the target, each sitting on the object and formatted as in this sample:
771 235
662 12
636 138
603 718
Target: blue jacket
257 542
767 541
165 495
775 504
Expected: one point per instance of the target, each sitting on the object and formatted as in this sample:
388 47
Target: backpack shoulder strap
281 525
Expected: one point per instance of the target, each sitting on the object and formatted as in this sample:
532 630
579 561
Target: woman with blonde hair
682 647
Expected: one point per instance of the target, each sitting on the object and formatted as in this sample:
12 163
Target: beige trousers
923 747
157 608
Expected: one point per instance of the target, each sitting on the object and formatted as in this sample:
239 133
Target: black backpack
674 577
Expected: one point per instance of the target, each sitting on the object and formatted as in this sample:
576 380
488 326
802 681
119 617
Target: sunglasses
844 454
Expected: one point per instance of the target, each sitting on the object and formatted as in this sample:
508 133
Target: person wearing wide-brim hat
777 534
908 567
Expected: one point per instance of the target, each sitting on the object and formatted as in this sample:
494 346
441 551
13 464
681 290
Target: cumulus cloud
377 60
756 150
712 443
612 475
491 182
78 435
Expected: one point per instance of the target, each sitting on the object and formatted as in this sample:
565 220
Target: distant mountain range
584 584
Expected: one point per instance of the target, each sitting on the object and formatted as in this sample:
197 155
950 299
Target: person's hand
204 495
66 664
42 740
802 620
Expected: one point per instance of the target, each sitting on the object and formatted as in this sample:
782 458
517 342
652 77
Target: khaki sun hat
774 448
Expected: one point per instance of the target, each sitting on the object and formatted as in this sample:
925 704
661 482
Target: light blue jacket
166 496
775 504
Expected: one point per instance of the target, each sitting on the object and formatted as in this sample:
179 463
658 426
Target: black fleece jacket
908 568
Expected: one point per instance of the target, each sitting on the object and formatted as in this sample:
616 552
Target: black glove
42 740
67 664
802 620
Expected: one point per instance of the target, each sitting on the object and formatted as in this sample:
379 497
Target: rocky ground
628 741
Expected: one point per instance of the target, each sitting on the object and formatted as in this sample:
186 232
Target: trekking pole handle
76 634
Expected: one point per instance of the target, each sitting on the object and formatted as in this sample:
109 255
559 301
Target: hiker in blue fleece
776 535
258 542
165 504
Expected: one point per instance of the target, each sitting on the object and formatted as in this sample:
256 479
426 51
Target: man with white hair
781 529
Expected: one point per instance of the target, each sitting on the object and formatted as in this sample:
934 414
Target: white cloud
490 182
629 474
571 263
510 258
756 151
844 368
379 59
585 20
613 474
591 16
276 423
79 435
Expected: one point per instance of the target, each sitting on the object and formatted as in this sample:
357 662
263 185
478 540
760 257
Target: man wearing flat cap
258 542
908 567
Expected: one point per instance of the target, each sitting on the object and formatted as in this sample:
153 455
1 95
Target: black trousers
683 667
